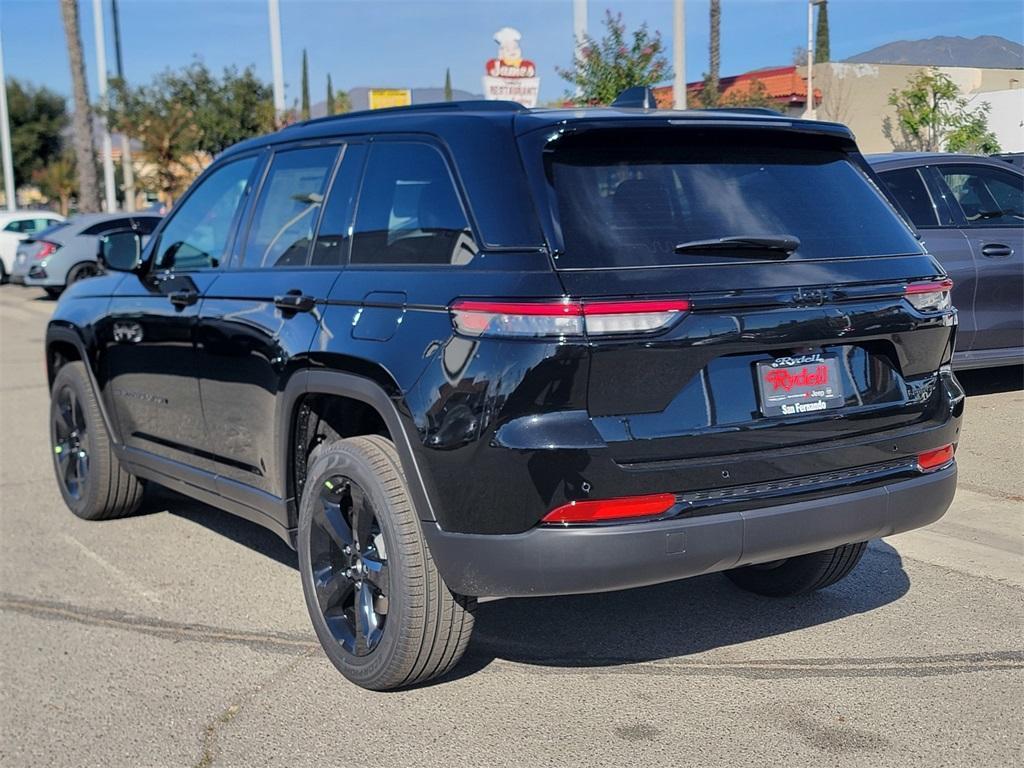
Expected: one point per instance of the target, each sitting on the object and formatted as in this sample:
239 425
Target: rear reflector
565 317
932 460
933 296
611 509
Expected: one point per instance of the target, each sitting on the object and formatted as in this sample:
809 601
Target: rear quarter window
627 200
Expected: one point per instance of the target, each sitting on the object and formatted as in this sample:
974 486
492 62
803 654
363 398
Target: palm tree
715 52
88 185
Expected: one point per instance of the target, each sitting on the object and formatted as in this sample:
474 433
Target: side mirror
120 251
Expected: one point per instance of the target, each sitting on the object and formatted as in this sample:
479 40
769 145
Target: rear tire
81 272
380 609
90 477
799 575
3 274
53 291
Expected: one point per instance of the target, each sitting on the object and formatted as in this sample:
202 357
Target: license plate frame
799 385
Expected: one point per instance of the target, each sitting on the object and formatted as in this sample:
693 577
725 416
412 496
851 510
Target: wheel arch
64 344
378 410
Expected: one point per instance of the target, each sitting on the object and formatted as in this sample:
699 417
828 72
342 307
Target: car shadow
989 381
667 621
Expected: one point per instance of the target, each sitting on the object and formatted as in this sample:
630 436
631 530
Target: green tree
972 135
342 103
617 61
57 180
82 128
821 52
305 85
330 96
37 117
448 85
182 118
754 95
931 112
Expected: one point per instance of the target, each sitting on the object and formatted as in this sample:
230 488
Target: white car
15 226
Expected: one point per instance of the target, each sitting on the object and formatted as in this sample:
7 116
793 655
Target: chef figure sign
510 76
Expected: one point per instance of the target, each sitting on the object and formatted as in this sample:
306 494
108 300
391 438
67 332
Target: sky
390 43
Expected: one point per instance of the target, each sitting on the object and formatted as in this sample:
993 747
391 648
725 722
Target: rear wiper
742 246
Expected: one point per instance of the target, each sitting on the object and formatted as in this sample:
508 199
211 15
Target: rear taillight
932 460
932 296
45 249
611 509
565 317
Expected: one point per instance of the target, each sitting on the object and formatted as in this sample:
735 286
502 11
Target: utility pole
275 56
127 169
679 56
101 74
10 193
579 31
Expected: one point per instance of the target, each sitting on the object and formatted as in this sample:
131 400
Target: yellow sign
390 97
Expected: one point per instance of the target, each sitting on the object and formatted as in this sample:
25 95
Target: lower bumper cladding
573 559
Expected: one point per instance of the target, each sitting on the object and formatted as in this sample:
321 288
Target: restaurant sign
510 76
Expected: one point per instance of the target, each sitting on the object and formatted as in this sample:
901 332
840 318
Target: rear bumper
557 561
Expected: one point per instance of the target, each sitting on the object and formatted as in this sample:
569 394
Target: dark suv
472 350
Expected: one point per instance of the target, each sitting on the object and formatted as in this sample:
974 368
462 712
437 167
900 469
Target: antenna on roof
637 97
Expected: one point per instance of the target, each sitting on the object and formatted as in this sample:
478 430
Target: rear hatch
798 329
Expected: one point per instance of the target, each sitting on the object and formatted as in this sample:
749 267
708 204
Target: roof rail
476 105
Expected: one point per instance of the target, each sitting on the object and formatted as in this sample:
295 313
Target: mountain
990 51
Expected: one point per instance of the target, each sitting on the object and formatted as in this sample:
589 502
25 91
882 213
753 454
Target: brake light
565 317
611 509
45 249
932 296
932 460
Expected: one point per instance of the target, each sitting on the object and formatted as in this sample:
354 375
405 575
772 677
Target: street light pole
679 56
809 111
10 193
579 31
101 73
127 169
274 8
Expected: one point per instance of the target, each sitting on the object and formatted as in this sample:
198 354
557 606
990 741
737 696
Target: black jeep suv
472 350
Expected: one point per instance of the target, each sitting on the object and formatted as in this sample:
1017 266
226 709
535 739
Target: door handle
295 301
996 250
183 298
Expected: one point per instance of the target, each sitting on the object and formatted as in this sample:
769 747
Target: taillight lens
611 509
932 296
45 249
564 317
932 460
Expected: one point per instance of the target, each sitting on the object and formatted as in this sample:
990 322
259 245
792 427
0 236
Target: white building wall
1006 116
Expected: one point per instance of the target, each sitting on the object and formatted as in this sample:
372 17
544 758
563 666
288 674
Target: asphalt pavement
179 637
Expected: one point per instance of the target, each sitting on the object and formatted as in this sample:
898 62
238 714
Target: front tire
91 479
380 609
799 575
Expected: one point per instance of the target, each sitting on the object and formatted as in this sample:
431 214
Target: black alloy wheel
349 565
71 443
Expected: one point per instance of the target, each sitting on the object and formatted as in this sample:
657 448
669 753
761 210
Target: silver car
57 257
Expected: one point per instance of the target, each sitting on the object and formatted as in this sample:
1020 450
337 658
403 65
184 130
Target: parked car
969 212
471 350
1014 158
15 226
66 253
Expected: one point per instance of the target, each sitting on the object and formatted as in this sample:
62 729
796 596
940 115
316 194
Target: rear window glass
628 202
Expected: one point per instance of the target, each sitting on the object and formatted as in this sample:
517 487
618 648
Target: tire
415 630
799 575
3 274
94 485
81 272
53 291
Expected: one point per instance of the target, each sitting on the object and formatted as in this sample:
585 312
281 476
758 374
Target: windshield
628 201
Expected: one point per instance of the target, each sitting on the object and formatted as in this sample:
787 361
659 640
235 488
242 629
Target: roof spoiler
637 97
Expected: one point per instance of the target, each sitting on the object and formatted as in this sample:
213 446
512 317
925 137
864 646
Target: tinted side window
332 239
110 225
197 234
409 210
145 225
282 227
907 187
989 197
